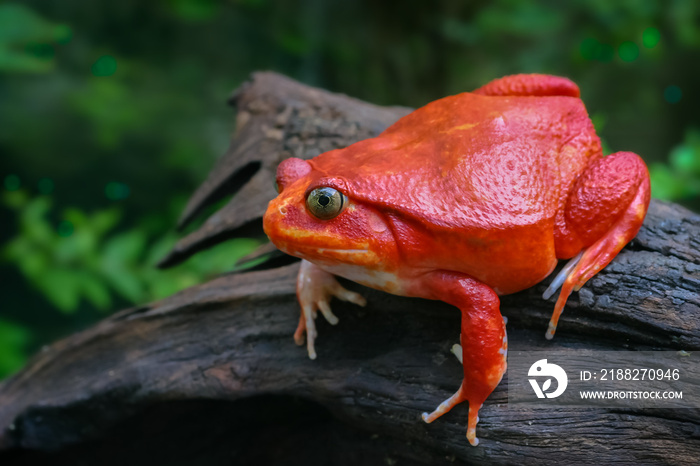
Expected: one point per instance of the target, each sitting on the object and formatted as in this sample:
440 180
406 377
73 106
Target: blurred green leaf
123 248
125 283
31 260
14 340
61 287
25 40
94 262
33 223
664 184
15 199
95 291
680 180
111 108
104 220
684 15
685 157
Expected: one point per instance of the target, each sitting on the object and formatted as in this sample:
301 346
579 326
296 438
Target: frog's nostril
282 210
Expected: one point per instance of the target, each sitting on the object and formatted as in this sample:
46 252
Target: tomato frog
468 198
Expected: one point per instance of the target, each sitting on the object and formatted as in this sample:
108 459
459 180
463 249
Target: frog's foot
448 404
483 348
315 289
604 212
472 418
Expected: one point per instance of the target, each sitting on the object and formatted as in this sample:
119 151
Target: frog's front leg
483 340
315 289
604 211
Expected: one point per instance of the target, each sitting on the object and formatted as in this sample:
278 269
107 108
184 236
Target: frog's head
315 217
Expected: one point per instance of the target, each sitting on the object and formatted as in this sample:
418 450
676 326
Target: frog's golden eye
326 203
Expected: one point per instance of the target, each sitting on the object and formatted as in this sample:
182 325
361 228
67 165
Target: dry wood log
211 375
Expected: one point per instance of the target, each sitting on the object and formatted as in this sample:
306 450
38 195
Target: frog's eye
326 203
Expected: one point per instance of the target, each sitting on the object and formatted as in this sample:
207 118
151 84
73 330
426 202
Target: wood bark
211 375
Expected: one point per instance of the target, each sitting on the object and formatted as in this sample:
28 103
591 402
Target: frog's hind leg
604 212
483 341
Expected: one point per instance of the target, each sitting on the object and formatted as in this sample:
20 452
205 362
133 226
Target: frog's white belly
378 279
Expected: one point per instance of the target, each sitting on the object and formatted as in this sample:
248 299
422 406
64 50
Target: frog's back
471 161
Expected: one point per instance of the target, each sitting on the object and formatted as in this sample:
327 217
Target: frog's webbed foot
315 289
605 210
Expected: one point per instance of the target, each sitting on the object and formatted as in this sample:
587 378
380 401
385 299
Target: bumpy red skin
468 197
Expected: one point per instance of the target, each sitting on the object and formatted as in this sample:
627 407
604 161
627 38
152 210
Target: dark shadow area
228 188
264 430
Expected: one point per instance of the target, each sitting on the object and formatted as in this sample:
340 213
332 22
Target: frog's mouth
339 255
343 251
317 253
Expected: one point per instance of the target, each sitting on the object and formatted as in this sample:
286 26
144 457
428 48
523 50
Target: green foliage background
111 113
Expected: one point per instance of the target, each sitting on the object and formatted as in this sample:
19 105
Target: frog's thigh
483 340
604 212
603 194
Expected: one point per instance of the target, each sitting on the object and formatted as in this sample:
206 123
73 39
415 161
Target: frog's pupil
324 200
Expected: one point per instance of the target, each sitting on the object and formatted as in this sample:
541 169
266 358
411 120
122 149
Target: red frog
467 198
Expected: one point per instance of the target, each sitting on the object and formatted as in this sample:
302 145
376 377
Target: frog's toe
306 327
457 351
551 329
561 276
325 309
310 348
309 316
350 296
300 331
445 406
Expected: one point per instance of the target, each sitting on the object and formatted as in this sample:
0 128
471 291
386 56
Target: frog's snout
273 217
